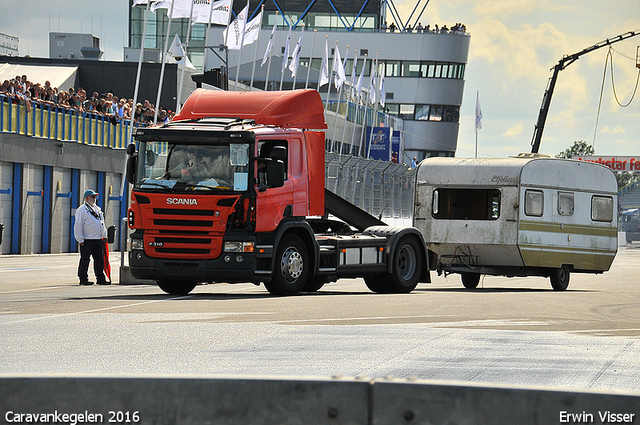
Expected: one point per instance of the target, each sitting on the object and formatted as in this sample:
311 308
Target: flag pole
185 59
164 62
325 55
206 37
295 77
255 56
244 27
137 87
374 115
313 42
335 120
364 114
353 71
266 78
286 56
226 39
330 78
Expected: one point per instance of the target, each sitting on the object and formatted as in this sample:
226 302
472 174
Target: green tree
579 148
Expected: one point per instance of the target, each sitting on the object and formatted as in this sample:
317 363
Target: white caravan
523 216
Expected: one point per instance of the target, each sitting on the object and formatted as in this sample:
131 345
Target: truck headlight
136 244
238 247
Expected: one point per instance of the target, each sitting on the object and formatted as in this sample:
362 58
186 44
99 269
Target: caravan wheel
470 280
560 278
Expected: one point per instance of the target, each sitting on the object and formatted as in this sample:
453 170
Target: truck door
272 204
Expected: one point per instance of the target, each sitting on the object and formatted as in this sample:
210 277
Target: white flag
181 8
324 70
267 52
339 77
234 40
160 4
383 95
285 58
177 48
252 31
478 113
219 12
360 78
372 86
295 56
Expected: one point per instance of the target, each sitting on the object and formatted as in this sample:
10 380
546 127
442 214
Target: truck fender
394 235
304 231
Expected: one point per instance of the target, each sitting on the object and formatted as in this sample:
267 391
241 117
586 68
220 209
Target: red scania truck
232 190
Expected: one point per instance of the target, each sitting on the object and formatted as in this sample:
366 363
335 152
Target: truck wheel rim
406 262
291 264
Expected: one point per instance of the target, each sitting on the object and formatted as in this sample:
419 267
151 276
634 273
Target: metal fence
63 124
384 189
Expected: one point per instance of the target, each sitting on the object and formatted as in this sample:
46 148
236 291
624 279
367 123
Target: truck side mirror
132 164
275 173
131 149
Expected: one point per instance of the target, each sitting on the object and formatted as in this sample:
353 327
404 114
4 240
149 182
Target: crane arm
562 64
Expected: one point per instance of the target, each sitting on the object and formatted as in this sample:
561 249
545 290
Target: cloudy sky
514 44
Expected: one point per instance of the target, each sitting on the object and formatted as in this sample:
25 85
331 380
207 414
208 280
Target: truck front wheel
173 287
291 267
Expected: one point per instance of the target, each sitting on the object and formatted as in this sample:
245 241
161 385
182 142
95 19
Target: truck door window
565 203
534 203
466 204
602 208
264 151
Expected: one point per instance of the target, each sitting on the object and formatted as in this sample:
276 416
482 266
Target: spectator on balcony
419 28
392 27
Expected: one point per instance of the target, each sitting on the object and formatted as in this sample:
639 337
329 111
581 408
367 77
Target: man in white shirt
89 231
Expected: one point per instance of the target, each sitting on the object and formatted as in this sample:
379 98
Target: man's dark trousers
91 248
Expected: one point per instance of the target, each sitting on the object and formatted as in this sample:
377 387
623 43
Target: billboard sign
616 163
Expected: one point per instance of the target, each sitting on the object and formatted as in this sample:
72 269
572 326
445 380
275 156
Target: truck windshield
185 167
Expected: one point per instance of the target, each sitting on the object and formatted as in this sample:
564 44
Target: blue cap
89 192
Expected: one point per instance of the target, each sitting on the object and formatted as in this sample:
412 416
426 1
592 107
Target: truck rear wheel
173 287
470 280
560 278
406 269
291 267
378 283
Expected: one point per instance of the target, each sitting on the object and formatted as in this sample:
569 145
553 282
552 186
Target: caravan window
602 208
534 203
565 203
466 204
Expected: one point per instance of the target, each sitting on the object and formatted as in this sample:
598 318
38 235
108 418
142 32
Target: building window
410 69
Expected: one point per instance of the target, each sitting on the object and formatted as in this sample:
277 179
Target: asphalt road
508 331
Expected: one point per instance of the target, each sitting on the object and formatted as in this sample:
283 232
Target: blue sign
380 143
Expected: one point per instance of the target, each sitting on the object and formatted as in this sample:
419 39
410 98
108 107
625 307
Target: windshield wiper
212 188
151 183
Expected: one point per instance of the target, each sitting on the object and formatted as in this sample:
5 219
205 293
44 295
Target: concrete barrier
246 401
